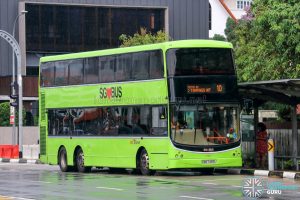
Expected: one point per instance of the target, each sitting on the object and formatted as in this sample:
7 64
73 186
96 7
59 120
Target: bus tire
144 164
80 162
206 171
62 160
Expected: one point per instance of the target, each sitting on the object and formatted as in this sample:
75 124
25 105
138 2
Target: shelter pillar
255 109
295 136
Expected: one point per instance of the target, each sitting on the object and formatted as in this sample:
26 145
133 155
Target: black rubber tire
80 162
114 170
206 171
62 160
144 164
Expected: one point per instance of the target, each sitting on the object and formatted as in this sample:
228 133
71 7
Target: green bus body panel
133 93
122 151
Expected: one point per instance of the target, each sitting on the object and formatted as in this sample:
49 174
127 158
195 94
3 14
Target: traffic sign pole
271 147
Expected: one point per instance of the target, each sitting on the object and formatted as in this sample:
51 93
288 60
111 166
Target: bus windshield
199 61
204 125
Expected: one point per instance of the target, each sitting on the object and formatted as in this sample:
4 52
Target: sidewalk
20 160
257 172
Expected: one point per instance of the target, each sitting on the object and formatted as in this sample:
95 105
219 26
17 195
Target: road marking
190 197
108 188
237 186
41 182
8 197
209 183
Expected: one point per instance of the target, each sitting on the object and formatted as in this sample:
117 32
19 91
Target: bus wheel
80 162
144 164
62 160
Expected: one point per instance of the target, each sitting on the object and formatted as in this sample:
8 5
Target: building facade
221 10
63 26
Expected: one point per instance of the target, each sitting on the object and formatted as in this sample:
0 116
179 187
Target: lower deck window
108 121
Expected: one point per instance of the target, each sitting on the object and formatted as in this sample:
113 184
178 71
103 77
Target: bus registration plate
208 161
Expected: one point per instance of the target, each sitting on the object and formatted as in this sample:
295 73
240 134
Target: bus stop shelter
285 91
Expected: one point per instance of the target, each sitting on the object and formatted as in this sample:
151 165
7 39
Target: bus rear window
199 61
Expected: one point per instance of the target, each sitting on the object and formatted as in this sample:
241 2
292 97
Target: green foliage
229 30
144 37
5 114
267 45
288 164
218 37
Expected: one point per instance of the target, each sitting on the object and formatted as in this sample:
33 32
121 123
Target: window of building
242 4
65 28
209 16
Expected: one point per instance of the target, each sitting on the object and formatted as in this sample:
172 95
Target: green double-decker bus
171 105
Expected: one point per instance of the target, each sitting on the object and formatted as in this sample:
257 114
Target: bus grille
42 106
43 140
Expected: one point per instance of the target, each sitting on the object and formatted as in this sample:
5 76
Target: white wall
31 135
219 17
232 5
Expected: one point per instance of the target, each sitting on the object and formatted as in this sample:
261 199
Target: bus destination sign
205 88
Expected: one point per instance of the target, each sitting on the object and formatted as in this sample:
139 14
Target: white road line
21 198
190 197
209 183
237 186
41 182
107 188
223 179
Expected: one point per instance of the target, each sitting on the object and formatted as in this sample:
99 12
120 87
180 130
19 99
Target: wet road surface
30 181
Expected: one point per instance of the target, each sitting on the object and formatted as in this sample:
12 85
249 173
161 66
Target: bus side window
123 67
159 122
61 73
91 70
156 64
107 69
76 72
140 66
47 75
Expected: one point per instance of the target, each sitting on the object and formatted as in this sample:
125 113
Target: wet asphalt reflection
24 181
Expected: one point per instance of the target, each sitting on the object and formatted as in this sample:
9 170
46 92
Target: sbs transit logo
110 92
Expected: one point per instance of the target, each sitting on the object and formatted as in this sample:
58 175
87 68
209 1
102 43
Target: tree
266 41
5 114
218 37
143 37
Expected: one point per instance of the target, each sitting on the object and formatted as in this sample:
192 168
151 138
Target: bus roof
148 47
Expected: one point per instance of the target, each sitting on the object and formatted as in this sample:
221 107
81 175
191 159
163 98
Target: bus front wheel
62 160
80 162
144 163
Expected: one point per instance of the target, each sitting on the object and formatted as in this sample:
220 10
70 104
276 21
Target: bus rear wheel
62 160
144 164
80 162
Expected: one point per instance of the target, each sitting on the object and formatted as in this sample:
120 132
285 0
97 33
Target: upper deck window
143 65
199 61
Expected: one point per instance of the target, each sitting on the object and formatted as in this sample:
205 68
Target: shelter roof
286 91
